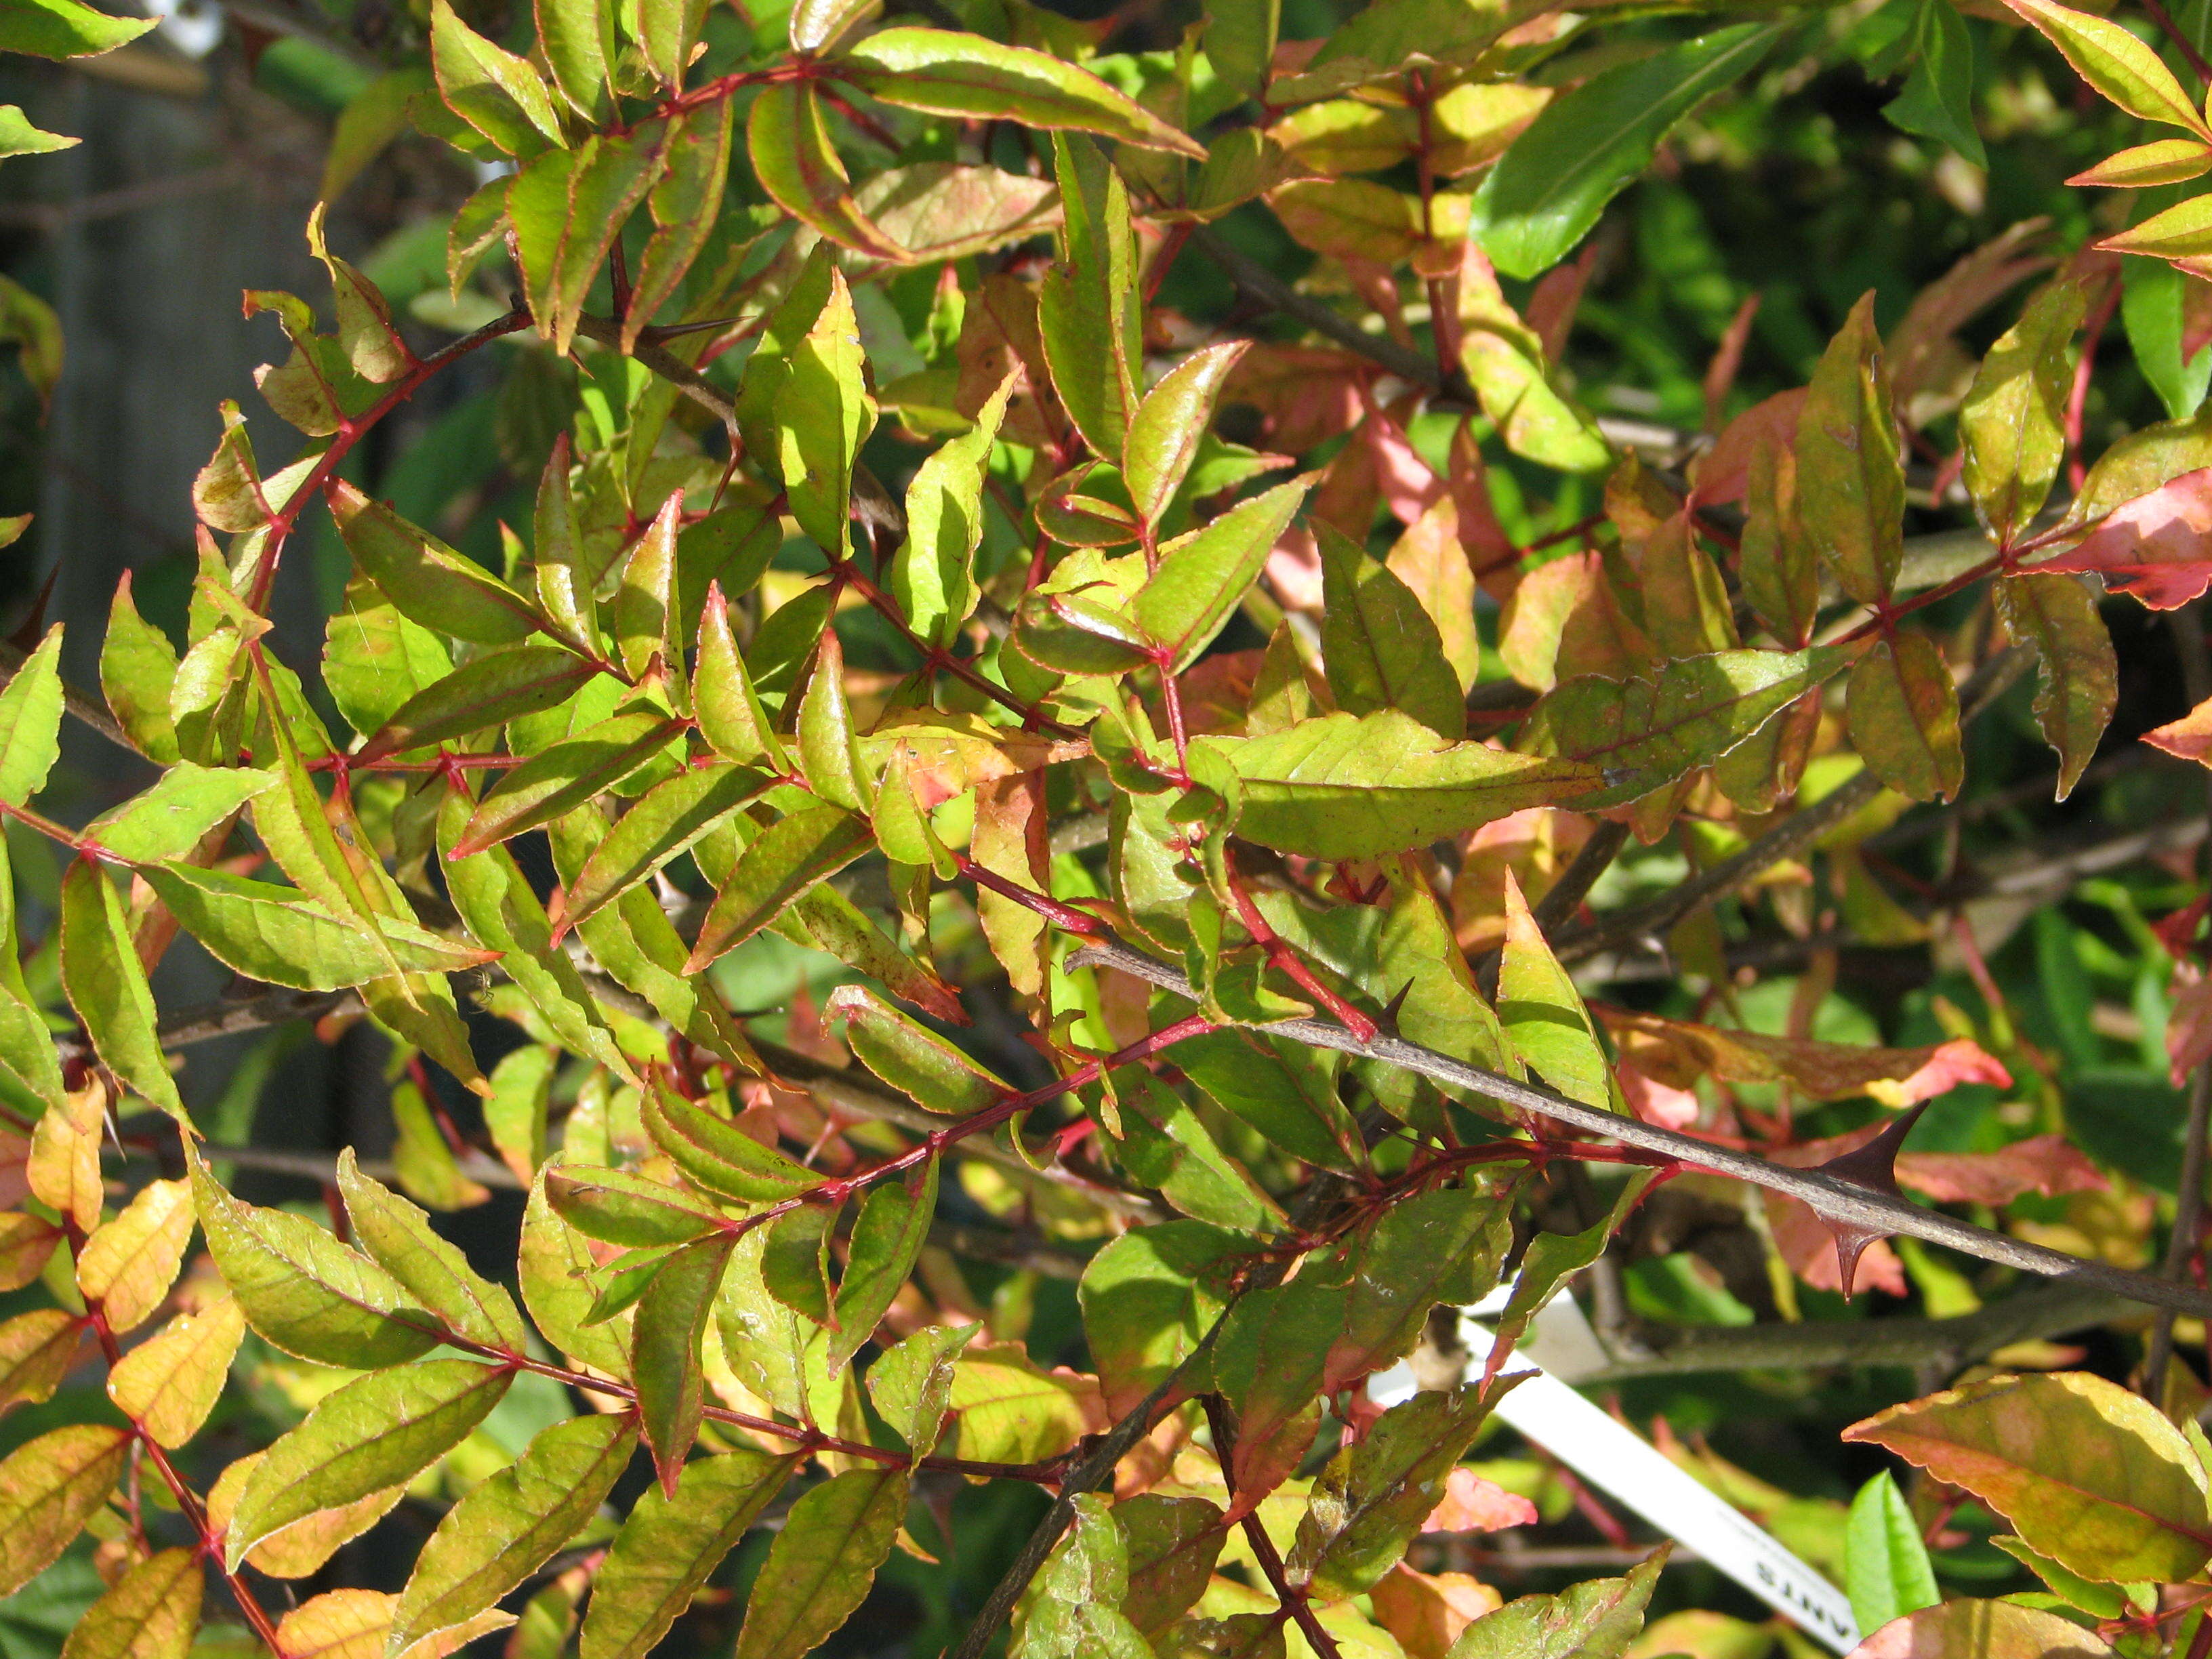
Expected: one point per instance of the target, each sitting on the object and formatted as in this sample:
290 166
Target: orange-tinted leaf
1981 1630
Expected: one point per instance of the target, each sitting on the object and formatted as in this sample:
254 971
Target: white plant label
1618 1461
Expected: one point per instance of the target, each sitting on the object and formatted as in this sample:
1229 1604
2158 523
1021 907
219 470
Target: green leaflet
1643 733
823 1562
504 1529
782 861
1903 711
487 691
1169 425
49 1486
494 91
152 1613
787 142
304 1292
501 911
1351 786
106 985
933 575
376 658
1148 1298
1371 1499
933 1073
642 613
672 1320
671 1545
888 1233
168 821
31 722
623 1208
1548 189
559 1279
1074 1606
65 28
911 1382
826 756
2013 422
426 581
1593 1620
567 207
1087 310
2152 295
560 779
1381 646
399 1237
943 73
729 710
718 1155
1885 1569
1543 1013
277 934
1288 1092
1938 99
1173 1545
1850 471
1202 576
137 667
822 414
377 1432
2057 616
665 821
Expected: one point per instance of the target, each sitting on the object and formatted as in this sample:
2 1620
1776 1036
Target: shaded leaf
823 1561
152 1612
1903 713
49 1486
2080 688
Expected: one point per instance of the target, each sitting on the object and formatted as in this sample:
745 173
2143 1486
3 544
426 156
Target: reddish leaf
1473 1502
2157 547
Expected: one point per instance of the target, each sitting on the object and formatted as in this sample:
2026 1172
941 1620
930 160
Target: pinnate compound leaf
1885 1567
504 1529
2080 688
1850 470
1903 714
1073 1608
31 721
106 985
1982 1630
152 1613
1642 733
1593 1620
782 861
821 1563
2115 63
170 1383
670 1547
2157 547
1352 786
2086 1472
304 1292
49 1487
280 935
942 73
1548 189
128 1264
2013 422
671 1321
379 1431
399 1237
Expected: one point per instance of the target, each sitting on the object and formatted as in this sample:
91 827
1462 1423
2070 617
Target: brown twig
1221 1420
